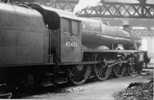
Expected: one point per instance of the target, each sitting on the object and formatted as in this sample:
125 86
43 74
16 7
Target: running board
81 63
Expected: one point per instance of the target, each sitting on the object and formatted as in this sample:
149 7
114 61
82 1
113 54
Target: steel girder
119 10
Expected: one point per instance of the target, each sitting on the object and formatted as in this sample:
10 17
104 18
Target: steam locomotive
41 45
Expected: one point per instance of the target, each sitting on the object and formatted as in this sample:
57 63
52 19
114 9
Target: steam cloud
85 4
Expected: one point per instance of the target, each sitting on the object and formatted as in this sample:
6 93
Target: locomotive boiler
41 45
95 35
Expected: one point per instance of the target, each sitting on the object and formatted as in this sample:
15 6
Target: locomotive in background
41 45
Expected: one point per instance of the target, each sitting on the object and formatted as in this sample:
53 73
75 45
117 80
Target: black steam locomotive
41 45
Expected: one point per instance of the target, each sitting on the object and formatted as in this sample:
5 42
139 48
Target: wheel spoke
79 74
102 72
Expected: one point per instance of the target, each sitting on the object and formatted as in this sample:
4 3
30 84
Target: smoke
85 4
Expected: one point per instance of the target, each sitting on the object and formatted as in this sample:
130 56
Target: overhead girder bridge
119 10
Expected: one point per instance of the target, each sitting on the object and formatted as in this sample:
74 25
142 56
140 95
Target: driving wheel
79 74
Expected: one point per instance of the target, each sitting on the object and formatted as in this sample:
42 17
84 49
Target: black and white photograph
77 49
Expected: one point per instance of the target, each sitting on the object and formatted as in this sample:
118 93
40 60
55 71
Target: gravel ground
138 90
105 90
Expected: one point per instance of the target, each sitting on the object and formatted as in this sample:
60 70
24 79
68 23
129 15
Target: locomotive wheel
79 74
119 70
102 72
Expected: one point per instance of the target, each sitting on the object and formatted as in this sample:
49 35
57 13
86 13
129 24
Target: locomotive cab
64 35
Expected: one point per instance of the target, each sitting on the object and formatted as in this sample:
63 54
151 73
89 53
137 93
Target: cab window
70 26
65 25
75 27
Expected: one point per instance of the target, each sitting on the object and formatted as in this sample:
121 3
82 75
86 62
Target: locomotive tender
37 42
